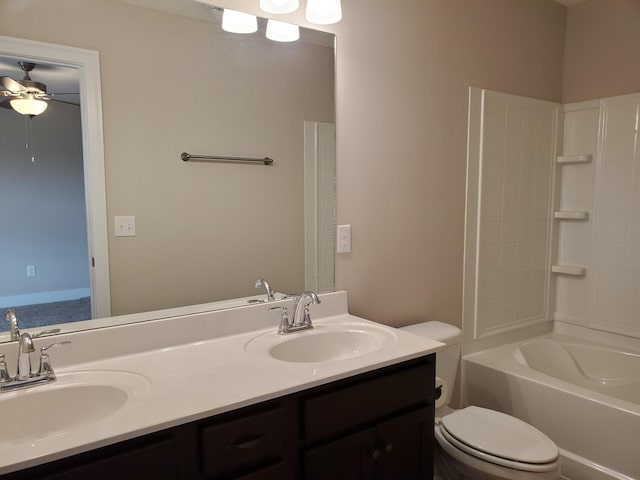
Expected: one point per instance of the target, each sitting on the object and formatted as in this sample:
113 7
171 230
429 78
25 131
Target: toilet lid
499 435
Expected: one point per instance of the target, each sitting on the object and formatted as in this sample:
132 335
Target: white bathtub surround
608 243
511 152
583 393
199 358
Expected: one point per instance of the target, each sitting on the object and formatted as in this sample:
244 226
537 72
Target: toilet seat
498 438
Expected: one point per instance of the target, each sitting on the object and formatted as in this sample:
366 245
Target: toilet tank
447 359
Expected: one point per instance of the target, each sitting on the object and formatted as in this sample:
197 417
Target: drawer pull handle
388 448
375 454
246 443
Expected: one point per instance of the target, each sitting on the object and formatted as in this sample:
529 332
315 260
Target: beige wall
403 72
404 192
602 50
205 231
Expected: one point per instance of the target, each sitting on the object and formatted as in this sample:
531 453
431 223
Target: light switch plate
344 239
125 226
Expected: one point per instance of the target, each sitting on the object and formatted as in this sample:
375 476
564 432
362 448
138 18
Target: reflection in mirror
173 83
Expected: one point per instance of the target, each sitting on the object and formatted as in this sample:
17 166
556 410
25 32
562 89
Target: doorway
60 218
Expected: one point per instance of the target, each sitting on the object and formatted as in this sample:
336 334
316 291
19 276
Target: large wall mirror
172 81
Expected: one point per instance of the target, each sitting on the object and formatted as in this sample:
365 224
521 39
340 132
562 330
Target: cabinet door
350 458
406 447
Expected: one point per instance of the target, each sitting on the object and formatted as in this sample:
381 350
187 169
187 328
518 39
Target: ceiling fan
25 96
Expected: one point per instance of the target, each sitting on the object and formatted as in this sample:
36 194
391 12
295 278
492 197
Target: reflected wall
170 84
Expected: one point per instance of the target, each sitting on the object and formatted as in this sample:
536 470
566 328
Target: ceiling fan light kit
28 104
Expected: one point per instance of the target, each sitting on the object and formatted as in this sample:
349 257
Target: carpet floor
44 314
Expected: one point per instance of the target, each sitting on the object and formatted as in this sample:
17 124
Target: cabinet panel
253 440
406 447
157 461
340 410
275 472
349 458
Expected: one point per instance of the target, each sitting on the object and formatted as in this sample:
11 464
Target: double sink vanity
224 395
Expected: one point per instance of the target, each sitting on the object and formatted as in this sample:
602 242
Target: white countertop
191 380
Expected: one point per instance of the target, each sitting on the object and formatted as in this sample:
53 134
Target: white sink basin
324 343
74 400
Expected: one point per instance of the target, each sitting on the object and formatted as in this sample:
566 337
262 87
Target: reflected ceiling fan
25 96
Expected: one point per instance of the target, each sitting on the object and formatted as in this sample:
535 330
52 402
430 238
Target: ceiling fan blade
10 84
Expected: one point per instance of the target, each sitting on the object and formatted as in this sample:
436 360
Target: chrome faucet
300 308
24 376
25 349
13 324
262 283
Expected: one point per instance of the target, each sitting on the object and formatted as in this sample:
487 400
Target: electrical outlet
344 239
125 226
31 270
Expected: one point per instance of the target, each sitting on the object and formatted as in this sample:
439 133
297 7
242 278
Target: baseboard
44 297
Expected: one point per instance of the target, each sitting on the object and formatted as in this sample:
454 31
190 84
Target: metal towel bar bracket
201 158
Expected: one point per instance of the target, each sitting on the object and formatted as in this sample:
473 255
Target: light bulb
279 6
282 31
324 12
239 22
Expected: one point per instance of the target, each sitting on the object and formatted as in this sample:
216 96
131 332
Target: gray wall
42 205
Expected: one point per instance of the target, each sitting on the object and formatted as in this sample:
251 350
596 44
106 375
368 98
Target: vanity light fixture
279 6
324 12
28 104
282 31
239 22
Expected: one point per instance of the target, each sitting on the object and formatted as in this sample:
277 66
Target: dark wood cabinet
395 449
376 425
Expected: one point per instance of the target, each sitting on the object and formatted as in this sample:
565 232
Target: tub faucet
13 324
262 283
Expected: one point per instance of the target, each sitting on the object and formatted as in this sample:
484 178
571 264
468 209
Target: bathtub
582 393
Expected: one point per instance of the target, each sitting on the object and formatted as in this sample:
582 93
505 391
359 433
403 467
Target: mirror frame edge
87 63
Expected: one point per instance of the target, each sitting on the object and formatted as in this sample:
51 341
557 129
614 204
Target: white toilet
476 443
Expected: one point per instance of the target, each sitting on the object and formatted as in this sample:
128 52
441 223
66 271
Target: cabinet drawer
355 405
244 444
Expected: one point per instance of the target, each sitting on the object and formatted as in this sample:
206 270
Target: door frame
88 64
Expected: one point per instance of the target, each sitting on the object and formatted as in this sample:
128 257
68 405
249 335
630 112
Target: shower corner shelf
575 158
572 270
571 215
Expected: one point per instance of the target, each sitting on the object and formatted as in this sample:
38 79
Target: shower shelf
575 158
571 215
569 270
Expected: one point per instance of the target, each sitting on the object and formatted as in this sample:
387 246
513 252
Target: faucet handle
14 329
4 373
44 333
284 319
45 362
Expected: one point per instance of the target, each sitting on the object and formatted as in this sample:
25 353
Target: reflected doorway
45 273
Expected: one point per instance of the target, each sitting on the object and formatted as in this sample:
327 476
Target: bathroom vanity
247 404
